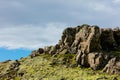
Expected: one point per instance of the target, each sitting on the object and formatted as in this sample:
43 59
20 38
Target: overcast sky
31 24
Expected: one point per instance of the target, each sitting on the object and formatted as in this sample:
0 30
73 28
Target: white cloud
116 1
30 36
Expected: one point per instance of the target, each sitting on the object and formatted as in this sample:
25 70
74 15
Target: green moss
40 68
116 52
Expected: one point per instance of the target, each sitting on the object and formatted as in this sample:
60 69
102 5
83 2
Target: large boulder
113 66
97 60
36 52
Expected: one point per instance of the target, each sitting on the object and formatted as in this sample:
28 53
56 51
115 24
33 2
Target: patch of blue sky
14 54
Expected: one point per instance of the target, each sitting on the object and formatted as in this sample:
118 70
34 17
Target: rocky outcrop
113 66
11 72
91 44
36 52
82 46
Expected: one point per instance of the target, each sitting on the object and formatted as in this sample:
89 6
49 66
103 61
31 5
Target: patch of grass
40 68
116 52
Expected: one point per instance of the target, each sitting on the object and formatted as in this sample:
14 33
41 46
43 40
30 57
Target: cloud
102 7
73 12
30 36
37 23
116 1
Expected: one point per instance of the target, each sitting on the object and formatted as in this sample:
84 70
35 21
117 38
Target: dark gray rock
107 39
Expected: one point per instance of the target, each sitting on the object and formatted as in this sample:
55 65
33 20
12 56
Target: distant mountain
81 52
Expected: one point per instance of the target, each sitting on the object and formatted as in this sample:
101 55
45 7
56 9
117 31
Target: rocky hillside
94 47
84 46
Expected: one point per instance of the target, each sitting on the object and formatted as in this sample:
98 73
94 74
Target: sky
26 25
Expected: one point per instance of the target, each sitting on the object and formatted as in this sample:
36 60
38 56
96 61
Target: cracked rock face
91 44
86 38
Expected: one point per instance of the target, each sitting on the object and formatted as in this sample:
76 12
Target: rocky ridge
84 46
92 45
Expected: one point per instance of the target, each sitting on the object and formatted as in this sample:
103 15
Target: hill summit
94 47
84 46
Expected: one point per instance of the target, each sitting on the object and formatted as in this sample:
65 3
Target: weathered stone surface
86 38
68 37
81 58
97 60
36 52
86 41
107 39
113 66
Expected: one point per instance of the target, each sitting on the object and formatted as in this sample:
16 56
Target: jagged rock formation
91 44
82 46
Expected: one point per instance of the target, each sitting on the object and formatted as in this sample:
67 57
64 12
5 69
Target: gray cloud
35 22
71 12
116 1
29 37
